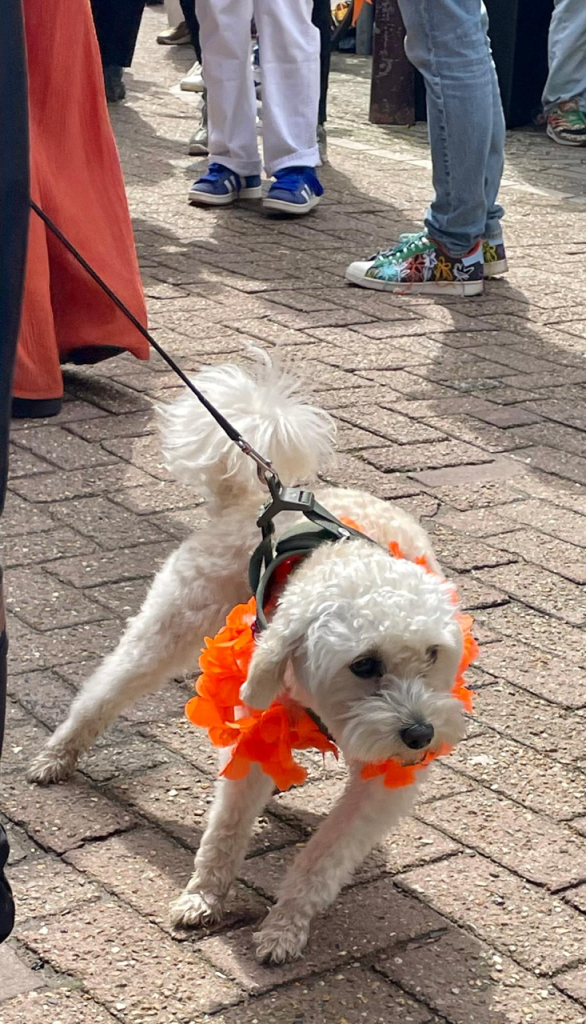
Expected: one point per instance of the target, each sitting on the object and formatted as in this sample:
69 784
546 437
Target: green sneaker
420 265
566 124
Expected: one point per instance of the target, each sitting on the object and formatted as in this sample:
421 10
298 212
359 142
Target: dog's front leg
364 814
222 849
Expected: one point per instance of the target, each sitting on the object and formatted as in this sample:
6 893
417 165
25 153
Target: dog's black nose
417 736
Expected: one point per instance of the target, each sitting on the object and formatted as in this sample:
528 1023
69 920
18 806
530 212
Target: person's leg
225 41
289 46
495 162
190 19
567 55
448 44
117 23
322 19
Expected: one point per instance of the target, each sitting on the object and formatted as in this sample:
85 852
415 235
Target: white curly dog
369 642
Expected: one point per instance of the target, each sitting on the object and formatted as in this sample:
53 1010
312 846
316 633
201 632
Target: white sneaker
198 143
193 81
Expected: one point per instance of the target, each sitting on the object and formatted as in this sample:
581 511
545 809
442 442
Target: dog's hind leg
364 814
189 598
222 849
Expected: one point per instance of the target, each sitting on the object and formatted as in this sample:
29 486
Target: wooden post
392 97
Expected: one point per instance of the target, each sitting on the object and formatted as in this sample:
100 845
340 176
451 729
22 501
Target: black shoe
113 83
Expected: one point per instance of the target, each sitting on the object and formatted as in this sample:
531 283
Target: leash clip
284 499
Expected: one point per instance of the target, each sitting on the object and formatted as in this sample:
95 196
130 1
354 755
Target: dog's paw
51 766
279 941
194 910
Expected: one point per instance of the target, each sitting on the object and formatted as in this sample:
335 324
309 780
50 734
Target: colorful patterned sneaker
495 257
494 253
566 124
221 187
296 191
420 265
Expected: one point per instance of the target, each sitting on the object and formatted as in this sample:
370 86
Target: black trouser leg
189 16
14 215
322 19
117 23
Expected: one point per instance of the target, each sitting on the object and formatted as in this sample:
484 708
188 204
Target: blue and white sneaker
220 187
296 191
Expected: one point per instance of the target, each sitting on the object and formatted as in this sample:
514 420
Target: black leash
263 466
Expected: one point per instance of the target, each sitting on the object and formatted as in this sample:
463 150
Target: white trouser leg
289 54
225 42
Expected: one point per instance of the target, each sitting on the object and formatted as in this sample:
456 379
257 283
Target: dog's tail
267 408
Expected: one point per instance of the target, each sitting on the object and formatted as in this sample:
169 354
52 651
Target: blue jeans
567 55
447 41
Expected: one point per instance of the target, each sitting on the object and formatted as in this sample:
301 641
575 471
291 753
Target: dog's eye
368 668
432 653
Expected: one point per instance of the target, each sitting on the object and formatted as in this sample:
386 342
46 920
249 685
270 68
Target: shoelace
408 247
572 119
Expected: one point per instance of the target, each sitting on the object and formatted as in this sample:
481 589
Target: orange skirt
76 179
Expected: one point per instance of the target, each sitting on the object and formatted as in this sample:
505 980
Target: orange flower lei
269 737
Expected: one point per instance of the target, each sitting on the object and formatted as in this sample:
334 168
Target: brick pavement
472 414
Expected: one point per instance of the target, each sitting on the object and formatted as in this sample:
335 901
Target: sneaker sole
495 268
174 42
576 143
197 149
465 288
189 87
293 209
204 199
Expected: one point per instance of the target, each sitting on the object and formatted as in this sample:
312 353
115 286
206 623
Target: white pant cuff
305 158
245 168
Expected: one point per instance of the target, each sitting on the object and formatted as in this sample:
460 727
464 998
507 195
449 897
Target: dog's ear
268 664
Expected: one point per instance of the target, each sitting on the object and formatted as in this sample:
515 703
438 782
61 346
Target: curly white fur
346 601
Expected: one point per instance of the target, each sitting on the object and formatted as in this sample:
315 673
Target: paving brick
539 589
157 496
20 517
466 981
528 844
43 603
31 650
534 628
24 463
577 897
417 458
568 413
410 844
573 983
476 522
535 781
363 920
61 817
552 489
559 463
178 799
484 436
16 977
348 471
556 555
547 675
143 452
354 995
161 983
62 449
531 720
59 1006
109 567
558 522
37 548
146 869
132 424
47 886
123 599
463 554
107 395
464 476
406 385
392 426
79 483
108 524
193 745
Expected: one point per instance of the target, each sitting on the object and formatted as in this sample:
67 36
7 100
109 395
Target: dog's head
375 645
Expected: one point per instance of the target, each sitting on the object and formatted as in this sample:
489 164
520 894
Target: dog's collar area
271 562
